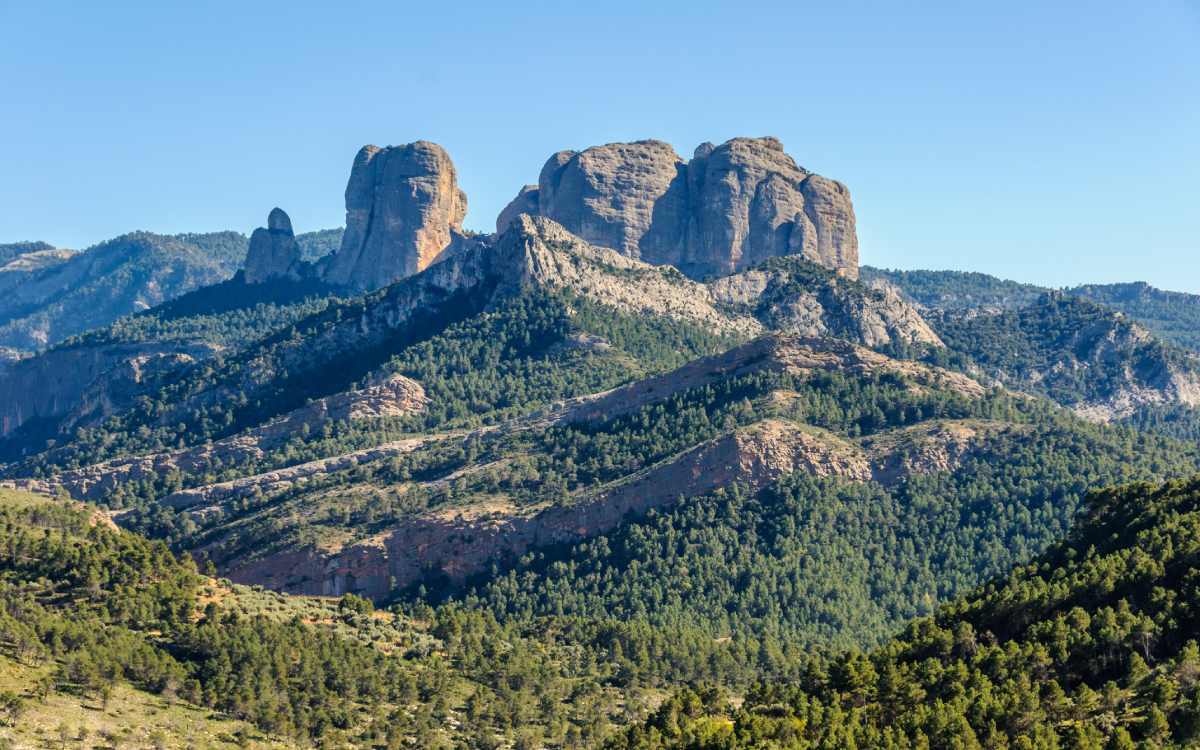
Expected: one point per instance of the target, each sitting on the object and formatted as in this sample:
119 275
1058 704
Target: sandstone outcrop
403 210
273 251
630 197
731 207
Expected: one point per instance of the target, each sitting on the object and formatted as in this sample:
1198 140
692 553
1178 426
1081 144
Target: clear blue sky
1049 142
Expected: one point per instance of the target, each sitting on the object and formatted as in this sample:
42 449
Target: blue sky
1047 142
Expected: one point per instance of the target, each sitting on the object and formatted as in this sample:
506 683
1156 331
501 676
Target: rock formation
526 202
751 202
273 250
732 206
626 196
403 210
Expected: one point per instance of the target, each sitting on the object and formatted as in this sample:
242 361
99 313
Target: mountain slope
100 372
1086 348
1093 644
109 638
329 351
969 480
42 306
1077 353
49 294
557 403
1173 316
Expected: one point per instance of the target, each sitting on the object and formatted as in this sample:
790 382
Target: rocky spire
273 250
403 210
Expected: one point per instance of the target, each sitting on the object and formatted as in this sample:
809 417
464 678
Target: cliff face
403 209
732 206
623 196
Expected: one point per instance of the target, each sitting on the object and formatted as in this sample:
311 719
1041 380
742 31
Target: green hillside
1093 644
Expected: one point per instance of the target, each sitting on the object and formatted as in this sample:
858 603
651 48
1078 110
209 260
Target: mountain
334 349
538 393
1090 348
50 294
1078 353
274 440
1172 316
44 303
515 490
98 372
12 250
1175 316
1093 644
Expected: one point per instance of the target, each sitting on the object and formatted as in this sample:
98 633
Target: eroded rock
404 209
273 250
731 207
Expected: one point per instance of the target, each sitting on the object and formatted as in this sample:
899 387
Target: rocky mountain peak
273 251
732 206
403 210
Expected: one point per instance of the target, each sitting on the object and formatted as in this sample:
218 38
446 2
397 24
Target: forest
1093 644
